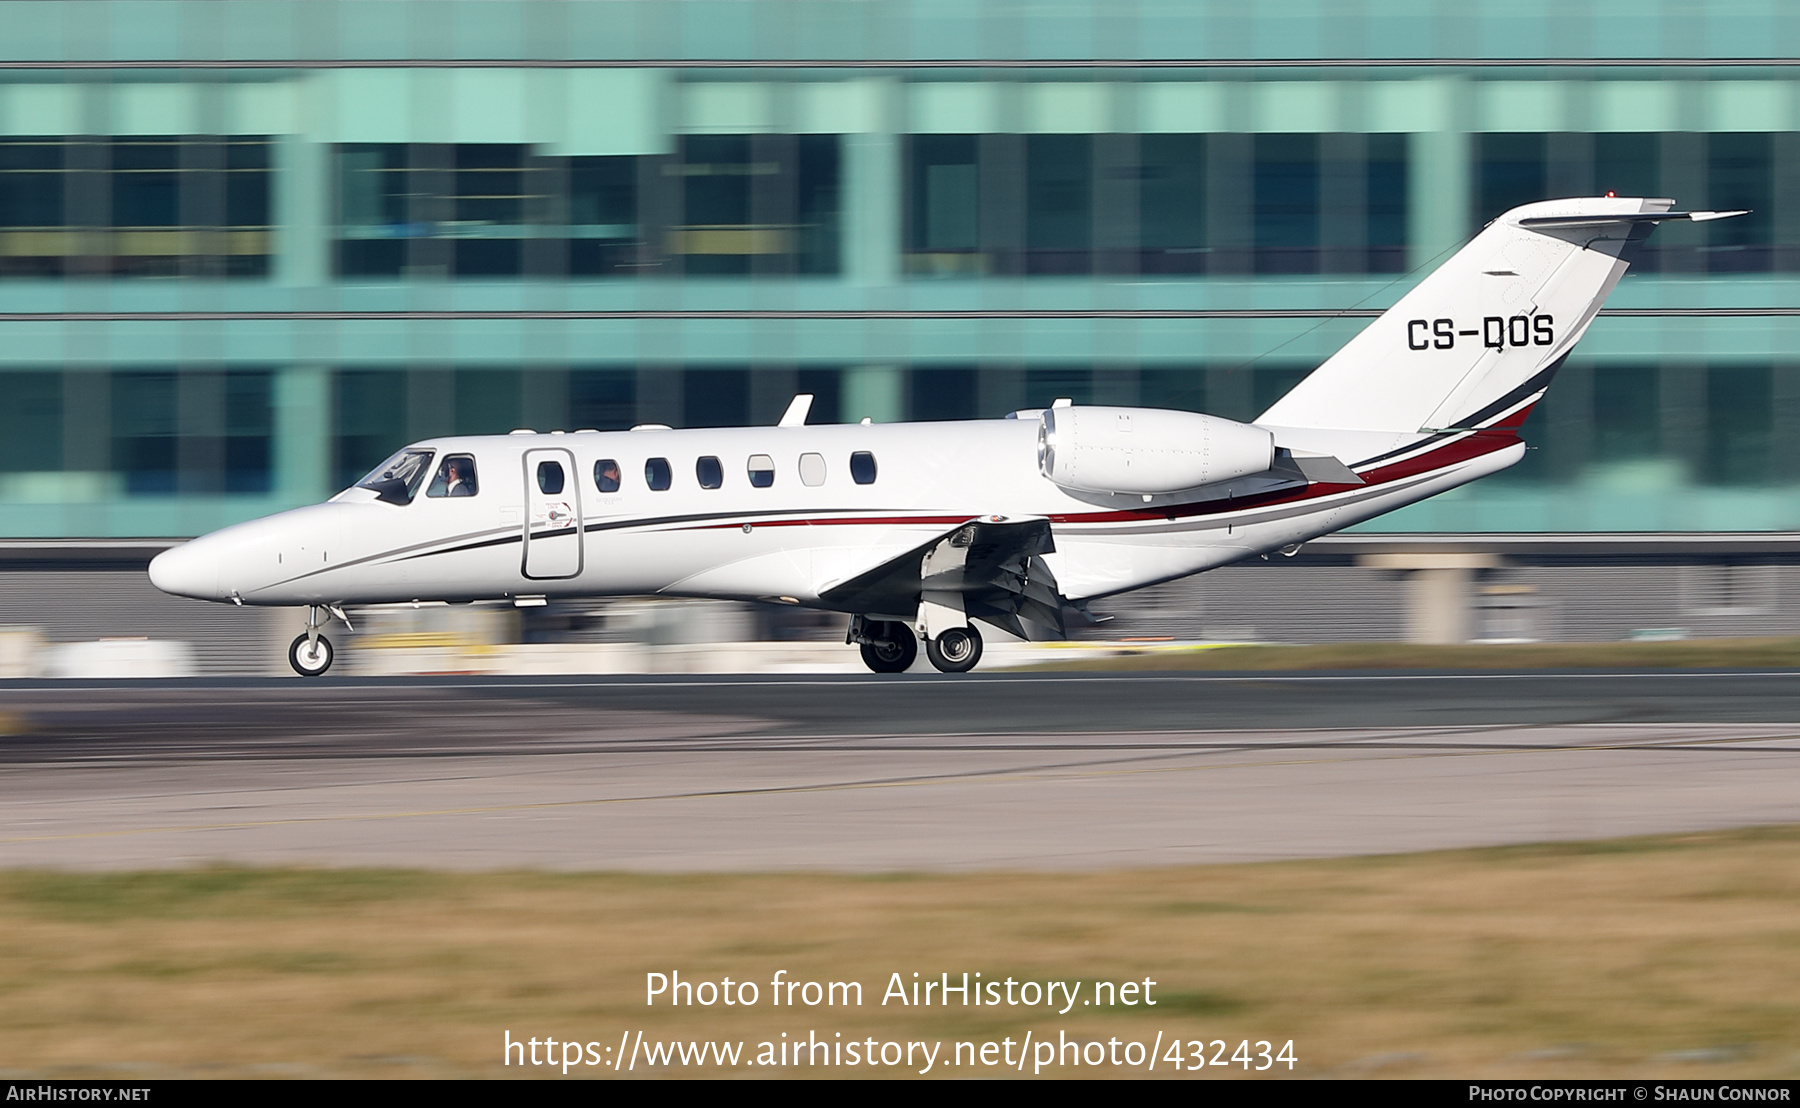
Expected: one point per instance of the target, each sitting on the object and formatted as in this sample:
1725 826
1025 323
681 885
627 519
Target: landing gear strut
887 647
311 654
956 650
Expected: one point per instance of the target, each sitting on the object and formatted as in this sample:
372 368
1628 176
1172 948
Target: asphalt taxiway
1008 771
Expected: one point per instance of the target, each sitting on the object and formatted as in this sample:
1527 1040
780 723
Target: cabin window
606 475
812 470
550 478
862 467
710 472
657 474
456 477
397 480
762 471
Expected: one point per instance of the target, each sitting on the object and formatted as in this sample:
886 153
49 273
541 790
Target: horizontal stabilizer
1323 469
1630 217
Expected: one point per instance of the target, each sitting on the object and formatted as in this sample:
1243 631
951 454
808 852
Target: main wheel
894 652
310 659
956 650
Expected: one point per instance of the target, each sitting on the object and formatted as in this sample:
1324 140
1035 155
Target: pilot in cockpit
455 478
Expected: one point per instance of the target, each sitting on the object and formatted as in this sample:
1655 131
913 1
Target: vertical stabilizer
1478 340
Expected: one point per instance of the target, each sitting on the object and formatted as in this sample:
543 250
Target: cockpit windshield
397 480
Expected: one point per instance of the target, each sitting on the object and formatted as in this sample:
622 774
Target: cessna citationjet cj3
918 530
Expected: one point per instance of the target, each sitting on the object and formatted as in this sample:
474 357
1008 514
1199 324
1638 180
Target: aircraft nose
185 571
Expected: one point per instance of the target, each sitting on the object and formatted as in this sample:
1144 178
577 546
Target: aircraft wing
995 563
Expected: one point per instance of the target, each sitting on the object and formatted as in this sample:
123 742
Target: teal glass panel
943 205
135 206
1182 388
603 235
758 204
1046 384
1386 202
827 389
1627 413
145 431
1059 204
716 397
1738 426
941 393
487 401
1509 171
1628 164
603 399
1286 203
370 420
375 29
1172 204
718 28
1740 176
31 422
1272 382
249 428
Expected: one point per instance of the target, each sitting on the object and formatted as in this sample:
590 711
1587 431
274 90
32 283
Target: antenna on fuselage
797 408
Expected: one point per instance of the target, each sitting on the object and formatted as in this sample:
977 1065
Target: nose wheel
310 655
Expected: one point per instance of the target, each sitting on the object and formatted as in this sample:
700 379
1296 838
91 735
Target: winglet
795 416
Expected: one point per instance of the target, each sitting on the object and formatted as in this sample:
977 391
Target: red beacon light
1611 195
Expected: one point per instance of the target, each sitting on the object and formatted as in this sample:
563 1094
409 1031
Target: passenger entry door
552 515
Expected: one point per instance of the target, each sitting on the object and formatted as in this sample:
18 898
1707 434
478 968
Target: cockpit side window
455 477
397 480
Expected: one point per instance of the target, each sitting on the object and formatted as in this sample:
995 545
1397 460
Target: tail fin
1479 339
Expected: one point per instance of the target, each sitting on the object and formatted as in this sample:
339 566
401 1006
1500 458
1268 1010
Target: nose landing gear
312 653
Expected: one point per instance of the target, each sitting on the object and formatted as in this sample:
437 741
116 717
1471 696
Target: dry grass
1781 653
1586 960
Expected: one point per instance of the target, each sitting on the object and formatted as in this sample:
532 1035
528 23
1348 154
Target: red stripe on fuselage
1499 436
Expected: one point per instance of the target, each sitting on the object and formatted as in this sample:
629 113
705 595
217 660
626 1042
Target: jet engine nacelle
1147 450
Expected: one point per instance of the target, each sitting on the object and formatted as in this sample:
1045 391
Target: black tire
956 650
320 658
896 651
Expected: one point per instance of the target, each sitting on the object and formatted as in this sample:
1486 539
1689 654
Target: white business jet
917 531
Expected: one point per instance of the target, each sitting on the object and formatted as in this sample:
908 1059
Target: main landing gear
956 650
311 654
887 646
890 646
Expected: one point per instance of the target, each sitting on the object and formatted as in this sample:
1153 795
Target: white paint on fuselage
691 541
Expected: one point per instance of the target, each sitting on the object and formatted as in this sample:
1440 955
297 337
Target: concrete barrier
21 652
121 658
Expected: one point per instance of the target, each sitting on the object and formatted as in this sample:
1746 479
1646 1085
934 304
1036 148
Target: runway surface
984 771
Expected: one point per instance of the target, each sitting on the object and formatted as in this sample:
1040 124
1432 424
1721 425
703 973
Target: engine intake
1147 450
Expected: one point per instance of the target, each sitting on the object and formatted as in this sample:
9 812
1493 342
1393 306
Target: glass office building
248 249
